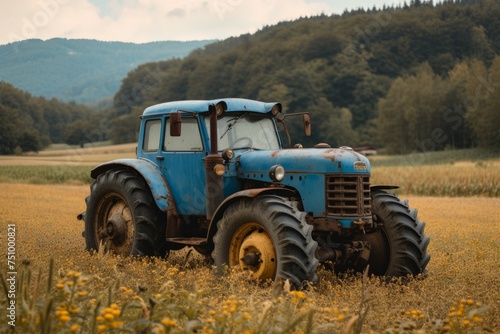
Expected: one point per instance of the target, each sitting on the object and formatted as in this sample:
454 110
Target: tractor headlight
277 173
219 169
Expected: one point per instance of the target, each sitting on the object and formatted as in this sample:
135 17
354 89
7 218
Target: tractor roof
201 106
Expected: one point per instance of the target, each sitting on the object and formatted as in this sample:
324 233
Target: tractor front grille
348 195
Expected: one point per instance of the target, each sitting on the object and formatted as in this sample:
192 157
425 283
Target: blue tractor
214 175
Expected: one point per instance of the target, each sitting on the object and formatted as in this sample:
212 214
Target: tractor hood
303 161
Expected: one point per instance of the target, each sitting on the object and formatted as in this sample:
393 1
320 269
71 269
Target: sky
142 21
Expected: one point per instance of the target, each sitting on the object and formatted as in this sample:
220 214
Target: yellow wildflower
64 318
116 324
167 322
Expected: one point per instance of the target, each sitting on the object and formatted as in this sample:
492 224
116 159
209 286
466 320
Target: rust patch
330 155
251 192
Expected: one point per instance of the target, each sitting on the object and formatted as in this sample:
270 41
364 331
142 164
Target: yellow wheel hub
252 249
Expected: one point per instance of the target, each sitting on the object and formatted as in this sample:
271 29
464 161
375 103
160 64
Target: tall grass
435 158
442 180
46 174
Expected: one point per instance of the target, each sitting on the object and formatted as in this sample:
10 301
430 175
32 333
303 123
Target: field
466 173
60 288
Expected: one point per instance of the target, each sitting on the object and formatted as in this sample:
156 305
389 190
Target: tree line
426 112
30 123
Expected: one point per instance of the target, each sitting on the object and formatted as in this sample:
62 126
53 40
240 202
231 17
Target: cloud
178 12
146 20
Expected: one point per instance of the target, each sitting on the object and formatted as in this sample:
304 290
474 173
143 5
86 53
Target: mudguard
249 193
150 173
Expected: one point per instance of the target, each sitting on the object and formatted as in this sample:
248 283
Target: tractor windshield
246 130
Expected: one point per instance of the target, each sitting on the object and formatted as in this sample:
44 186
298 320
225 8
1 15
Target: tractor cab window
152 132
189 140
245 130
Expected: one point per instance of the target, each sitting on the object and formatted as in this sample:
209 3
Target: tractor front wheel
399 247
268 237
122 216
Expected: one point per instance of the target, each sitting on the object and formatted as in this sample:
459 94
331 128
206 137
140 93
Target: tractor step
188 241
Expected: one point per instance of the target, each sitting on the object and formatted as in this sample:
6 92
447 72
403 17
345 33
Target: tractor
215 175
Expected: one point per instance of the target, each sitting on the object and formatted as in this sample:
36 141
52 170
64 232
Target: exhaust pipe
214 188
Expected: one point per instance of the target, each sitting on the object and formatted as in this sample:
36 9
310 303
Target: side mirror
175 124
307 124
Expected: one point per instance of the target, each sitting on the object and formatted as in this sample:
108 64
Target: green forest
30 124
415 78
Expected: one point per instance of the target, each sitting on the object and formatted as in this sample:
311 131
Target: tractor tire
268 236
399 247
123 218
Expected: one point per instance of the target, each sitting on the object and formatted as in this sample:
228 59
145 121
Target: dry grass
460 179
181 293
70 156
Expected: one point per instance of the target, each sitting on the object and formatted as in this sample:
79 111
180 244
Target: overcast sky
143 21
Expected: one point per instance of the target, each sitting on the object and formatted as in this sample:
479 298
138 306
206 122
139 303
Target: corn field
442 180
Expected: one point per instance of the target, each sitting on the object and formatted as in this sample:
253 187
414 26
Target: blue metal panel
149 172
186 179
304 161
201 106
305 170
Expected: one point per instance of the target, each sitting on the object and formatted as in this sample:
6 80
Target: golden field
71 156
87 294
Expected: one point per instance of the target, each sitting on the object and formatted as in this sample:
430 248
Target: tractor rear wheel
122 216
269 237
399 247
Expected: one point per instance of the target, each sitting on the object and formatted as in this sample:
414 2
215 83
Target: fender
383 187
249 193
151 174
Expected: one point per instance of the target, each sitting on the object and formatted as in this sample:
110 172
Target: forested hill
416 78
80 70
30 123
406 78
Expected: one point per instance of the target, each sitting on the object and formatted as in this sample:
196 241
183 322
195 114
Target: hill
401 77
80 70
405 79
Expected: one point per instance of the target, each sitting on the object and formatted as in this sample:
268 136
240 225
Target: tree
483 103
10 122
78 133
30 141
391 122
126 127
335 125
454 112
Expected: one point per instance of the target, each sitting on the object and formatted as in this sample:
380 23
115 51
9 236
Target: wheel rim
379 253
252 249
115 225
